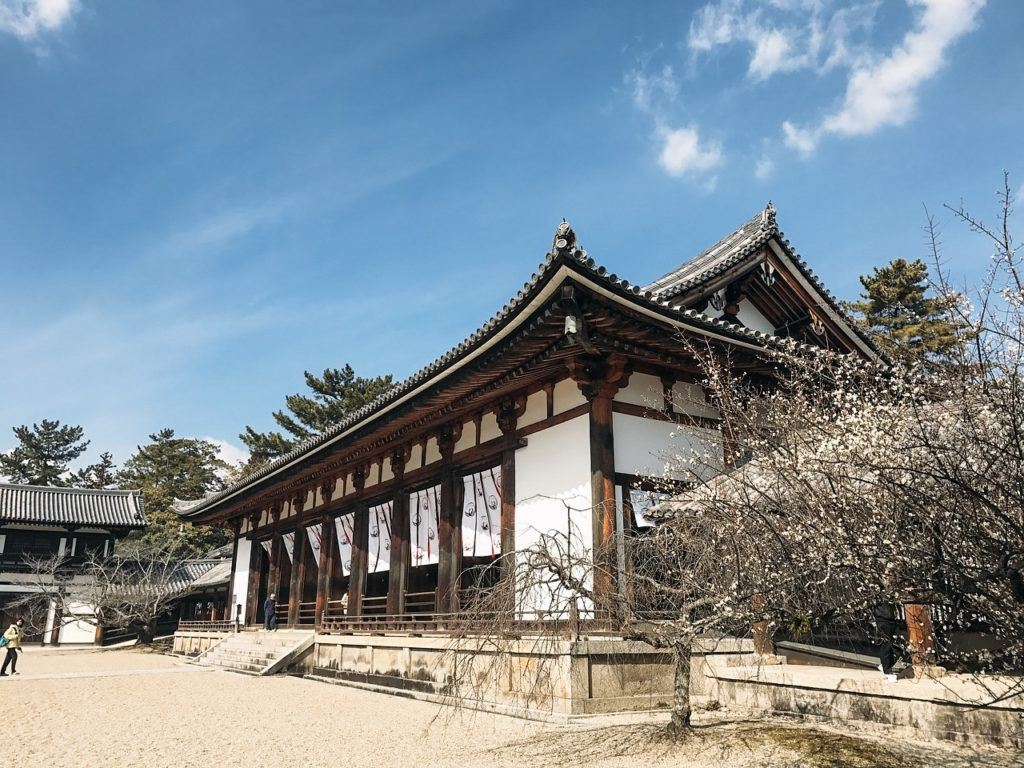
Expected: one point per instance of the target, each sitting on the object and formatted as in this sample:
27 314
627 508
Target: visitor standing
270 612
12 644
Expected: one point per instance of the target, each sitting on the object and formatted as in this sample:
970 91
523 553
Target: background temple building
547 418
37 523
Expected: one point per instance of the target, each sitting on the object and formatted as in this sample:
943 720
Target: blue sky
200 200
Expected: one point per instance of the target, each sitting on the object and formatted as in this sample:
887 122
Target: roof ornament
717 300
768 215
817 325
767 274
565 242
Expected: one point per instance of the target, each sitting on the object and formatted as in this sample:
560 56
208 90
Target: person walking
270 612
12 644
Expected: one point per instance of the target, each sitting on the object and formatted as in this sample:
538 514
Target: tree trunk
680 724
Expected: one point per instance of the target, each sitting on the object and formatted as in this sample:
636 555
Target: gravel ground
134 709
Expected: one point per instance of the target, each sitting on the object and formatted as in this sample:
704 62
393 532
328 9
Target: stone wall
193 643
531 677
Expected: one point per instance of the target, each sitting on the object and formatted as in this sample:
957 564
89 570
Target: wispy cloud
29 19
784 35
884 92
229 453
681 151
764 169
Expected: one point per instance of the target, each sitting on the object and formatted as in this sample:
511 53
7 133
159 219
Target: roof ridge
63 489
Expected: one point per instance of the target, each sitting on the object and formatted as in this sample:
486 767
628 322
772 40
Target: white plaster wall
643 389
386 472
567 396
489 429
240 578
752 318
468 437
688 397
536 409
77 631
654 448
433 452
553 490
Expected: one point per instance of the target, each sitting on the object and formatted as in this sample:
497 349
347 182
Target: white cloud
884 92
772 53
228 452
28 19
764 169
683 152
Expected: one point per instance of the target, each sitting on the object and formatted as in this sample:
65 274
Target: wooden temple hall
547 418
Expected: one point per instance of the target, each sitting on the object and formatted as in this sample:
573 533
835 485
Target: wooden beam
401 550
360 546
324 569
449 563
599 379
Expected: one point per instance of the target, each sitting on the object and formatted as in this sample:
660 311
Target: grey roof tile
43 505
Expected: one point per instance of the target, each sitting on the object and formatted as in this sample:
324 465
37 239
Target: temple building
547 418
37 523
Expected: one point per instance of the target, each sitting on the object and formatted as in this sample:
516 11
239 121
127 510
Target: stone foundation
946 708
542 678
193 643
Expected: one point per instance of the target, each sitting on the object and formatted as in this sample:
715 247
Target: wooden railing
461 624
208 626
417 603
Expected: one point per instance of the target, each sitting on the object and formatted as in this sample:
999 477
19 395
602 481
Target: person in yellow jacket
13 646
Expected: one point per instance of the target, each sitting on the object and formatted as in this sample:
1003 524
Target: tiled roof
734 248
199 573
731 249
43 505
563 251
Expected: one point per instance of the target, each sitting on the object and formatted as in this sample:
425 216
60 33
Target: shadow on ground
747 743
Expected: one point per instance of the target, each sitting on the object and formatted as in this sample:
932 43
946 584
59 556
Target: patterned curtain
267 544
289 545
343 527
423 524
379 556
481 514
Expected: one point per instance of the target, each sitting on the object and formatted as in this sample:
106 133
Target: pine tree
335 395
170 468
903 320
98 475
43 453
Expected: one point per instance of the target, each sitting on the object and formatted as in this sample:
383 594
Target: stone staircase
257 652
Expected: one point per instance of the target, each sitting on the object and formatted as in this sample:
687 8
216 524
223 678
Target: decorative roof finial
565 241
768 215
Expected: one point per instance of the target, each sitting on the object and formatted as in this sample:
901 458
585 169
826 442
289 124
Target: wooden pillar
449 533
599 379
360 547
401 551
298 561
252 594
325 568
920 635
509 413
229 599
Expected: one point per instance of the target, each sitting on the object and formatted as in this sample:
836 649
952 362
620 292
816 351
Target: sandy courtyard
130 708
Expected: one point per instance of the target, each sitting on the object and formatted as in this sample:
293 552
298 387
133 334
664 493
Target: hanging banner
481 513
423 524
641 501
379 552
343 529
289 545
314 533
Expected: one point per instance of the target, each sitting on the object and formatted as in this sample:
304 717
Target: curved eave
542 288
